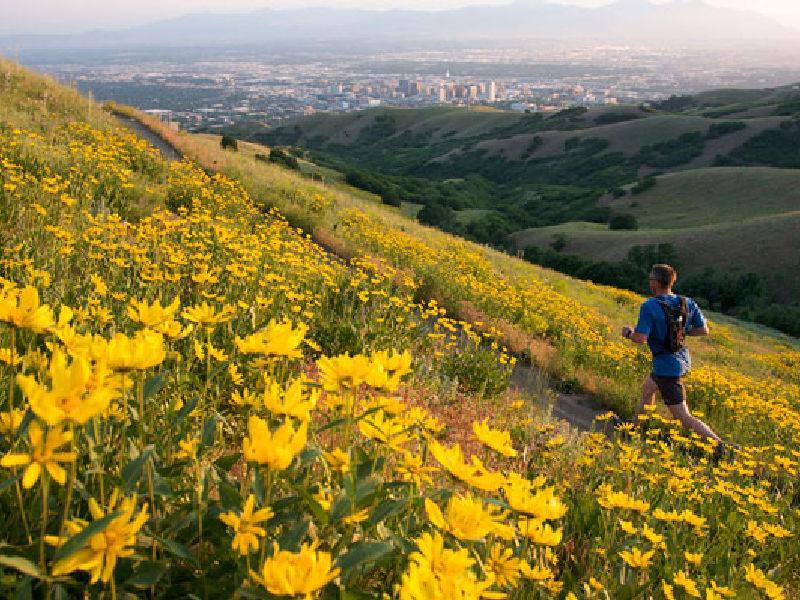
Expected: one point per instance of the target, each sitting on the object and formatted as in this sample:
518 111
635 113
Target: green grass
410 209
467 216
440 121
735 219
765 245
715 195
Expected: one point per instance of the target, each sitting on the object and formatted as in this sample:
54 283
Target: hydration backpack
676 325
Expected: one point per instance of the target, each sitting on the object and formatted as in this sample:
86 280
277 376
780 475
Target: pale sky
69 16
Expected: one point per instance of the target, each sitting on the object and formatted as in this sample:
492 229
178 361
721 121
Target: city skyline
46 17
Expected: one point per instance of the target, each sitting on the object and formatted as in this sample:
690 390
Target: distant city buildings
202 93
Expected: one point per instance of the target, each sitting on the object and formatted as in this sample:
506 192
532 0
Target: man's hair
664 274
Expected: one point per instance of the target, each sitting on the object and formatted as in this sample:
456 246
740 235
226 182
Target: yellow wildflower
122 353
636 558
503 566
689 586
499 441
539 532
21 308
152 315
101 551
467 518
43 454
245 526
297 400
276 340
289 574
77 392
275 449
206 315
338 460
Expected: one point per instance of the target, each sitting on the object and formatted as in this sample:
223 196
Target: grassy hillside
720 157
199 400
762 245
711 196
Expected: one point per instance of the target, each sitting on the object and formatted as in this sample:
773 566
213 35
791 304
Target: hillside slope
208 403
717 160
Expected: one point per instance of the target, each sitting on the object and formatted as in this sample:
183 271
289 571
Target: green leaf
23 565
209 430
161 486
362 552
188 407
177 549
23 427
76 542
147 574
229 495
132 472
320 515
9 482
24 590
332 424
290 540
309 456
340 508
153 385
226 462
366 487
386 509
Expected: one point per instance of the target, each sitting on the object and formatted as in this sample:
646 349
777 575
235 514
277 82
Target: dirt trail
166 149
579 410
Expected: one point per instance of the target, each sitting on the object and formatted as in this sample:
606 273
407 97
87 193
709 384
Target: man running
668 367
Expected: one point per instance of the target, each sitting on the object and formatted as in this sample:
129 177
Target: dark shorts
672 389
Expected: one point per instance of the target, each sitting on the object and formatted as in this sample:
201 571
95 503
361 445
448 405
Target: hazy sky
67 16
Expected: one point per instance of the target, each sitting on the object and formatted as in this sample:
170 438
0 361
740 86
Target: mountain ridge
679 20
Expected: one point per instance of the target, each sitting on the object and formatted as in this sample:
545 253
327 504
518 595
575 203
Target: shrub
281 157
559 242
623 221
717 130
229 143
477 371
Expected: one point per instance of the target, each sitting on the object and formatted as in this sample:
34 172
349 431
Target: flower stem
12 370
22 512
45 499
267 502
70 487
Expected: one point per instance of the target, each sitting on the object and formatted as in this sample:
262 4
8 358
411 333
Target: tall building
491 92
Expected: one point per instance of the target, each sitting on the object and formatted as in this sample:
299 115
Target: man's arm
698 326
634 336
639 335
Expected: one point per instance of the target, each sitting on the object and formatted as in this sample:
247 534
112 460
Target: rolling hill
715 175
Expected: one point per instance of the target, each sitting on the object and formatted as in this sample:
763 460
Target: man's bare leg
649 389
689 421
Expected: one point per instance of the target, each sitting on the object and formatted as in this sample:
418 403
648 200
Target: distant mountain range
624 20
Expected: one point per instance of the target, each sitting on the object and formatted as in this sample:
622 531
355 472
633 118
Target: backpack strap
681 311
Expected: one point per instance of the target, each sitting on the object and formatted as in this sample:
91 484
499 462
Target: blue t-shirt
653 324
